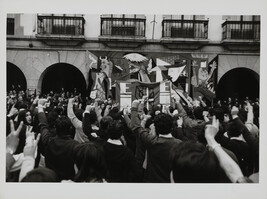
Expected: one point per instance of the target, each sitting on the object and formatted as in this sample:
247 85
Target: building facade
53 51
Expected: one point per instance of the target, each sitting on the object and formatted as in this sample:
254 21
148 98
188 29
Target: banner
157 93
204 77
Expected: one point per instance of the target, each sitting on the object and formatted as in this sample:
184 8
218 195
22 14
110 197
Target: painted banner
157 93
203 76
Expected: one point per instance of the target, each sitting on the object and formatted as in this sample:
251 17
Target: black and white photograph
108 102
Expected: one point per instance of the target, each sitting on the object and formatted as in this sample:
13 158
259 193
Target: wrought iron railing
60 25
197 29
241 30
123 27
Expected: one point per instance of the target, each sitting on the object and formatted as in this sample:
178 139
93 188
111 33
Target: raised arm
230 167
43 125
188 122
74 120
97 111
86 124
12 142
136 127
30 152
126 117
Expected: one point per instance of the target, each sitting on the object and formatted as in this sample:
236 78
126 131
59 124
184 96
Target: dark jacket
59 151
121 164
158 150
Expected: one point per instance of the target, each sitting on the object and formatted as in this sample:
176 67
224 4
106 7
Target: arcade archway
239 83
15 78
62 75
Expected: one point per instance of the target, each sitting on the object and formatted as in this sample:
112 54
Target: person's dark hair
242 115
115 129
59 110
198 113
105 122
41 174
93 117
114 113
171 109
63 126
22 116
163 123
21 105
234 129
51 118
192 162
90 161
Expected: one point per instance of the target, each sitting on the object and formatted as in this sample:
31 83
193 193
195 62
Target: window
123 25
10 26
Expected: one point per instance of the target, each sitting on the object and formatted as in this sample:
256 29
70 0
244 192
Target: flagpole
147 95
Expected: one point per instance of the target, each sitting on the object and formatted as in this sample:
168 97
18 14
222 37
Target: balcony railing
197 29
60 25
241 30
123 27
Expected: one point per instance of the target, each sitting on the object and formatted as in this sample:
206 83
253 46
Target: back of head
233 129
90 161
41 174
163 123
51 118
115 129
114 113
63 126
105 122
93 117
192 162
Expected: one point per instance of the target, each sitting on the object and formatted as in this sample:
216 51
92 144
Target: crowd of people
62 137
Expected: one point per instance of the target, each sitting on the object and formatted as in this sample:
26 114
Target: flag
133 89
90 60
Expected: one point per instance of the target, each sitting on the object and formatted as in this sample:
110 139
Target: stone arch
15 77
229 62
33 63
62 75
239 83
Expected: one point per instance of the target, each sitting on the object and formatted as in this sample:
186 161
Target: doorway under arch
15 78
239 83
62 75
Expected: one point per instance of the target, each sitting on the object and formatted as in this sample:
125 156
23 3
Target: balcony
241 30
184 32
60 28
131 30
196 29
241 34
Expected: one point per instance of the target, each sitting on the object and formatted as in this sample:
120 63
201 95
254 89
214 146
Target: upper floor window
123 25
60 25
10 30
185 26
241 27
